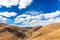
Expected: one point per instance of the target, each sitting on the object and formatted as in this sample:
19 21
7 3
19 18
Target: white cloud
57 20
52 14
3 19
8 14
34 13
24 3
30 20
9 3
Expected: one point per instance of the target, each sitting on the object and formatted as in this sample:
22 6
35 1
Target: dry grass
50 36
47 29
10 33
49 32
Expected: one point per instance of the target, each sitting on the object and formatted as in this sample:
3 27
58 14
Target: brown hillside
10 33
50 36
33 29
49 32
47 29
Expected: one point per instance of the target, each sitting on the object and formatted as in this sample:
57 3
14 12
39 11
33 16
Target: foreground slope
45 30
50 36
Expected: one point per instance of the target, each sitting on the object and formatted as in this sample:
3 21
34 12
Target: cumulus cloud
9 3
3 19
22 3
37 20
33 13
52 14
6 20
8 14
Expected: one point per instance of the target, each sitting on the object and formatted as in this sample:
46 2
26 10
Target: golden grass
48 32
50 36
10 34
47 29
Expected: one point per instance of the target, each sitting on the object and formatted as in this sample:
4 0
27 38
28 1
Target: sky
29 13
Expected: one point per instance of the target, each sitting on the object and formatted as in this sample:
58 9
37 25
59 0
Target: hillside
45 30
49 32
50 36
8 32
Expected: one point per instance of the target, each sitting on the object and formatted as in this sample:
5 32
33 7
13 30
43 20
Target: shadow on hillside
38 28
19 34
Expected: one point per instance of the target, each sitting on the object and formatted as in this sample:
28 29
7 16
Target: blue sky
29 13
